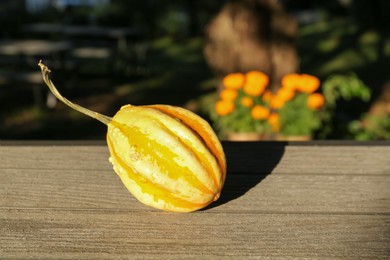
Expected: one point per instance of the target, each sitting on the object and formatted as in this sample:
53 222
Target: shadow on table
253 159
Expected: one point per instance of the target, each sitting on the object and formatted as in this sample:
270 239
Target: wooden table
310 200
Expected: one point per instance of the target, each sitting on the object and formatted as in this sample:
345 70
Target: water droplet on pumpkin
135 156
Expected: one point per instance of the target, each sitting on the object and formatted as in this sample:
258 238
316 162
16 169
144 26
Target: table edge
224 143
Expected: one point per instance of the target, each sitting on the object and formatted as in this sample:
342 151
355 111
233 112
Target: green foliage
337 88
174 23
371 127
297 119
346 86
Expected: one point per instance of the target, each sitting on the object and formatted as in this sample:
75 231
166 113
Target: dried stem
45 74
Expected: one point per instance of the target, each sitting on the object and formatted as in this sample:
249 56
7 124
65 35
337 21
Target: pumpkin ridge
153 189
162 161
211 146
198 126
204 161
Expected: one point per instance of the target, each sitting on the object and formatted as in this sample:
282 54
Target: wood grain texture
280 201
99 234
282 193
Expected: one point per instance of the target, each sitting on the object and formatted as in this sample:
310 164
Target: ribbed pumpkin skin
167 157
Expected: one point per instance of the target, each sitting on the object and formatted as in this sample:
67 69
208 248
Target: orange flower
285 94
277 102
234 81
247 101
308 83
315 101
253 89
228 94
224 107
256 82
267 96
257 77
260 112
273 120
291 81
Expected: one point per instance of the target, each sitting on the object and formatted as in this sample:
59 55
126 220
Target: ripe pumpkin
166 156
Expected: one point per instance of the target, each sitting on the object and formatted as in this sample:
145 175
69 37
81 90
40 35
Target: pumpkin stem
45 74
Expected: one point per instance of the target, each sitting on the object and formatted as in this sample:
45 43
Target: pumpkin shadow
248 163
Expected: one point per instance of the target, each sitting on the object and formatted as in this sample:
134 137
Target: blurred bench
94 42
120 34
19 59
23 52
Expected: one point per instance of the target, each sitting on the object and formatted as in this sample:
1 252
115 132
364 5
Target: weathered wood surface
318 200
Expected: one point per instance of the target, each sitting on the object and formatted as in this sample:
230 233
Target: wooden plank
280 157
275 193
243 158
67 234
55 157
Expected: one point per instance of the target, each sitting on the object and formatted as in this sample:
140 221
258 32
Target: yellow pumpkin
166 156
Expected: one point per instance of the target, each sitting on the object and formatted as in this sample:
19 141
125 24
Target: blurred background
108 53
